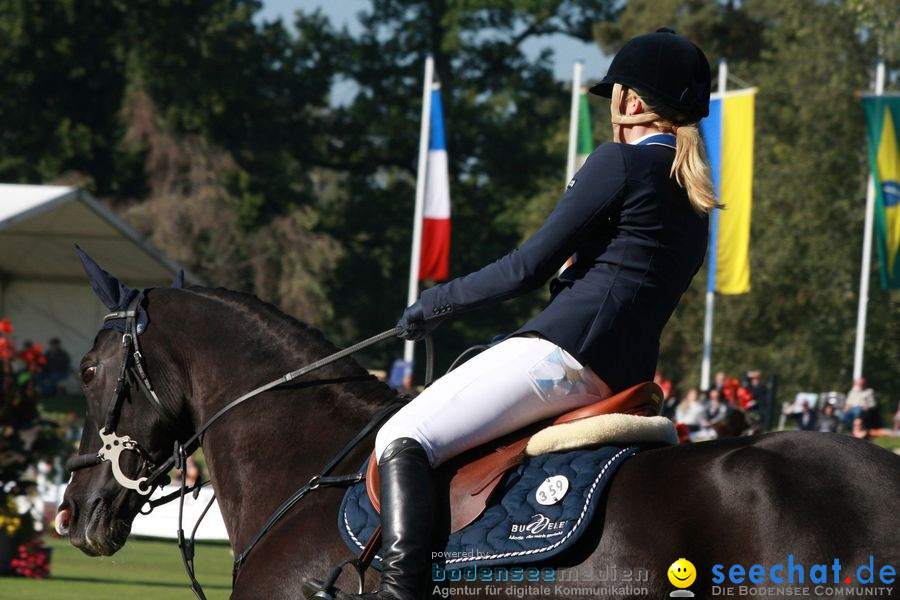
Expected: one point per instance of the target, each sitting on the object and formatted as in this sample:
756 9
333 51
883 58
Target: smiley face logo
682 573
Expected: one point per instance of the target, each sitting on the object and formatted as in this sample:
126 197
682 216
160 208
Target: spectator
860 401
733 394
664 384
715 410
721 381
827 422
55 370
836 400
31 357
670 398
690 411
756 388
806 420
401 376
859 429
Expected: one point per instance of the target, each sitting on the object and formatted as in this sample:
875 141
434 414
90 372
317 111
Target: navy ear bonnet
117 296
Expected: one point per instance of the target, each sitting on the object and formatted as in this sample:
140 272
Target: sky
343 12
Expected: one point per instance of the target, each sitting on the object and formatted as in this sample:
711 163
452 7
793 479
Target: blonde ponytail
691 169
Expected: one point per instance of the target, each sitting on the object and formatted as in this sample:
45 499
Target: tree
189 119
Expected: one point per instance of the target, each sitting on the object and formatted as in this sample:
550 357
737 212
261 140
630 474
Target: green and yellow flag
883 118
585 143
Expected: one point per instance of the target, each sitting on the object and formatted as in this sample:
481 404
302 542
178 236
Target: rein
112 445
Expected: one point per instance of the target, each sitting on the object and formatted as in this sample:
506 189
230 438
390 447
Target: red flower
34 562
33 358
6 327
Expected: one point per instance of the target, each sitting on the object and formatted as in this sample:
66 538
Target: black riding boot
407 514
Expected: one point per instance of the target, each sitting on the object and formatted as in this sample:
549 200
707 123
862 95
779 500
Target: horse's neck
259 461
272 444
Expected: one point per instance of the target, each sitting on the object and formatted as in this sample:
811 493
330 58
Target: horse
810 498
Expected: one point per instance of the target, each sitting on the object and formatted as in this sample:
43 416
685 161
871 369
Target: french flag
435 257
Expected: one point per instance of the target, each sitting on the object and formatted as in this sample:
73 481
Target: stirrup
316 589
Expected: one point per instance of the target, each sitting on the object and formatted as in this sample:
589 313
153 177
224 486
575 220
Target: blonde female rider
635 216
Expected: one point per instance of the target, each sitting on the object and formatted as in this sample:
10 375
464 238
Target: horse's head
129 428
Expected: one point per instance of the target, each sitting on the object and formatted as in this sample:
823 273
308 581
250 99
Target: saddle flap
475 474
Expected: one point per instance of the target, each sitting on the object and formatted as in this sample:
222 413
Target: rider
635 217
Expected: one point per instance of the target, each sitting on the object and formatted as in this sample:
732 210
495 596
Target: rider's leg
508 386
407 514
517 382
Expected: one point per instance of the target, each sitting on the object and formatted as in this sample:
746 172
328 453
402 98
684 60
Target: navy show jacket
638 241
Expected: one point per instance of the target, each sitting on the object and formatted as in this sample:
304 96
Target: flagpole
415 255
706 365
573 121
866 251
572 151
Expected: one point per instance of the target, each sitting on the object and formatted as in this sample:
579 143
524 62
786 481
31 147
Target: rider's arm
594 194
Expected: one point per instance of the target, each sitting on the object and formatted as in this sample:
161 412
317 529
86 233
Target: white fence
163 521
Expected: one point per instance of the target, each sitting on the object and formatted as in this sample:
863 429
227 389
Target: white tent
43 290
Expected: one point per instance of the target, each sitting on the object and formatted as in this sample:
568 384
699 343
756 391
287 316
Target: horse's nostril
64 519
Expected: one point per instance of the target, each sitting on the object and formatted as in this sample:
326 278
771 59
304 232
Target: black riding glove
413 322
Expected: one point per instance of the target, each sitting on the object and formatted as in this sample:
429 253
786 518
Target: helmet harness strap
619 119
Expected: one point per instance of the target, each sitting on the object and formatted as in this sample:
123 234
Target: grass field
891 443
142 570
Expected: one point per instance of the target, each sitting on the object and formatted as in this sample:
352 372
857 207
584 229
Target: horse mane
273 315
315 345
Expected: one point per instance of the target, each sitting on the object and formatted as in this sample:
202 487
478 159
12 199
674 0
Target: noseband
131 373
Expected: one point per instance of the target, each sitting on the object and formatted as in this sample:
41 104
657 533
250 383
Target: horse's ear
112 293
178 282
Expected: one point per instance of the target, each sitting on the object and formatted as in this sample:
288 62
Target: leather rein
133 372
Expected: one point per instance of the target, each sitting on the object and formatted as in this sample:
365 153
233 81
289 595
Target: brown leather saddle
474 475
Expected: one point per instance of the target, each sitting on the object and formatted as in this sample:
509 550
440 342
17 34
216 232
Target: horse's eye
87 374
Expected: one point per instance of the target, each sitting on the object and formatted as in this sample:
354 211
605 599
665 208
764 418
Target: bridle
132 371
112 445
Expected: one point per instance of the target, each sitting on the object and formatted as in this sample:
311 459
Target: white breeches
517 382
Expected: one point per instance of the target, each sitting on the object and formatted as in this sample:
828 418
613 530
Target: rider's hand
413 322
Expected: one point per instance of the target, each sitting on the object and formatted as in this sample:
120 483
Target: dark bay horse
746 501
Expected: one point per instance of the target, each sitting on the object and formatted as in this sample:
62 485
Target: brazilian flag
883 118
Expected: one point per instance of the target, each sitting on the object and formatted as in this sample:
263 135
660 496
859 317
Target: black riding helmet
666 67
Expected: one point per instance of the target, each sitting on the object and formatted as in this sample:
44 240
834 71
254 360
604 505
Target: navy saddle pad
540 509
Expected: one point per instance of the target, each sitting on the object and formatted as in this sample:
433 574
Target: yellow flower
9 517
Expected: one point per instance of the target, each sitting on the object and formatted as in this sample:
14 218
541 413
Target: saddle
474 475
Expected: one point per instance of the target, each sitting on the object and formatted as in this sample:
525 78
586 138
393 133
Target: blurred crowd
856 412
732 406
32 368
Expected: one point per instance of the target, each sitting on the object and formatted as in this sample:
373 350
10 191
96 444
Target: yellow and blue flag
728 135
883 118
